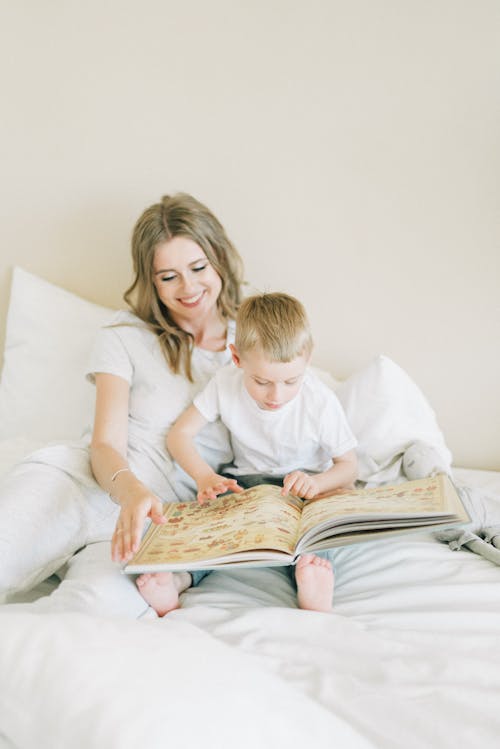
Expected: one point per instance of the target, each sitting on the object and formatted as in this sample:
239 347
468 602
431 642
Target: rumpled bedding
482 535
409 657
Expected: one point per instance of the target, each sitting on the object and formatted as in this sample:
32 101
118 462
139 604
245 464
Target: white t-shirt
157 398
305 434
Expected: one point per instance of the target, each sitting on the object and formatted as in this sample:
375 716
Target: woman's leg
44 519
93 584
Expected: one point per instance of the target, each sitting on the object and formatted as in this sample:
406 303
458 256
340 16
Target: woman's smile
191 301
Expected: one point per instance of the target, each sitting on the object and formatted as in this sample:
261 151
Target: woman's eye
168 278
199 268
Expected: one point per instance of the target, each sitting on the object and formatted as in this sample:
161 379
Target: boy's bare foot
314 577
160 591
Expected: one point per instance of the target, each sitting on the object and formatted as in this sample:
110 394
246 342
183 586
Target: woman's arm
180 443
341 475
108 456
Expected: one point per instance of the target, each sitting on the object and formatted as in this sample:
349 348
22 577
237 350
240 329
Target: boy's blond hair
275 323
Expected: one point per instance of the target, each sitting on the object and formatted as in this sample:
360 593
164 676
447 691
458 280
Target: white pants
90 583
45 518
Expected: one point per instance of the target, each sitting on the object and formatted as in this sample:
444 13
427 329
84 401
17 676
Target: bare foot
160 591
314 577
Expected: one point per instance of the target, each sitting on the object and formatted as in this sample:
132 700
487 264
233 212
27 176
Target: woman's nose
186 283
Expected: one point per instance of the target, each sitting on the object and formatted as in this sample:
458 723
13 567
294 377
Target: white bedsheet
409 658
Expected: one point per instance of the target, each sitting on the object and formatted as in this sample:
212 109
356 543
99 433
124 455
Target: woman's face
185 281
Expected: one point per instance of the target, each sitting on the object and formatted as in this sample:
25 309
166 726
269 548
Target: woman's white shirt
125 347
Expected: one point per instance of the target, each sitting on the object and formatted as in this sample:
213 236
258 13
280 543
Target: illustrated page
258 518
423 497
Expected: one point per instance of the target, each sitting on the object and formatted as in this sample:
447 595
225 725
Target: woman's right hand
130 524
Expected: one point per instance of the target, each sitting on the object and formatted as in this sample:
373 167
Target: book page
416 498
258 518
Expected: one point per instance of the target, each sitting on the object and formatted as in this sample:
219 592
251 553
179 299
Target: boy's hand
300 484
213 484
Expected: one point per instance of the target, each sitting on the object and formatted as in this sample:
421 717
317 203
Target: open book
261 527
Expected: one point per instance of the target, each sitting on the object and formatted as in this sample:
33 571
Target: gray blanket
482 534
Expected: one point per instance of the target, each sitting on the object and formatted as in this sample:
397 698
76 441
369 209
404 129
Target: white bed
410 657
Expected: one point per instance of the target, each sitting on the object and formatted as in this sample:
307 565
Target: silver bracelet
120 470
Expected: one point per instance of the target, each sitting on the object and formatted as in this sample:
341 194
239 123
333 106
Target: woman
147 365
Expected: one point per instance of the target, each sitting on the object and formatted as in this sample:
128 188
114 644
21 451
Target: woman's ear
234 355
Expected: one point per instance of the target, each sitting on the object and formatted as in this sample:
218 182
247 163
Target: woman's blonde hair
276 324
175 216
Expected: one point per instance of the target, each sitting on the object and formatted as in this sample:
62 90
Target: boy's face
271 384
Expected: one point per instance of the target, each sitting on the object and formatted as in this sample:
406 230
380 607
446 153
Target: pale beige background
350 148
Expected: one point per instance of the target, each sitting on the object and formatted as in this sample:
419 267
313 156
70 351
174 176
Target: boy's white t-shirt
305 434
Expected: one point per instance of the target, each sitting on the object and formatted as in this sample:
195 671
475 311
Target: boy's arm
181 445
341 475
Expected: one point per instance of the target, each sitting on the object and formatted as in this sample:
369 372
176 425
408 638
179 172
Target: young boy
285 425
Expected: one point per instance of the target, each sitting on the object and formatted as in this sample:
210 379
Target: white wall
350 148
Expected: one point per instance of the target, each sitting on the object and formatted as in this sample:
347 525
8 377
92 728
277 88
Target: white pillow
387 412
43 392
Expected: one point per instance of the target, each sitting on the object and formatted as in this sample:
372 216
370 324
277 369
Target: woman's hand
300 484
212 484
130 524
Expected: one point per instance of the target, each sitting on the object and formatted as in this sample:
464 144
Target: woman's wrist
126 487
116 473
